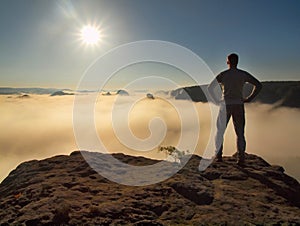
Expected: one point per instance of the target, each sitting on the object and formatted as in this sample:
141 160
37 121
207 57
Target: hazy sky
40 43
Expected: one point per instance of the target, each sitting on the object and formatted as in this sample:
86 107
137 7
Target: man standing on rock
232 102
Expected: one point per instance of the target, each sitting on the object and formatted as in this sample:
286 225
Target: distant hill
19 91
65 190
60 93
24 96
122 92
281 93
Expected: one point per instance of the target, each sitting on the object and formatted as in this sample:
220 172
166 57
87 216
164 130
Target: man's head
232 60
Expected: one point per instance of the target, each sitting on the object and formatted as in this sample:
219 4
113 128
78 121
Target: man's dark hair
233 59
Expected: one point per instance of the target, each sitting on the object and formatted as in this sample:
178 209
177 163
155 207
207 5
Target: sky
40 40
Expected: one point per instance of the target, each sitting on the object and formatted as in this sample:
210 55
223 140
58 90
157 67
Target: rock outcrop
60 93
281 93
65 190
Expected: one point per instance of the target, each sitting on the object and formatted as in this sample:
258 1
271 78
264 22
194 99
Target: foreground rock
64 190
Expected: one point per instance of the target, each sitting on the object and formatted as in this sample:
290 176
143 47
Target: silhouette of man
231 103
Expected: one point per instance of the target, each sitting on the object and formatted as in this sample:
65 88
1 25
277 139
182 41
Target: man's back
232 82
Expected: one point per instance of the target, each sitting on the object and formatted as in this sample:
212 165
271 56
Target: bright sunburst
90 35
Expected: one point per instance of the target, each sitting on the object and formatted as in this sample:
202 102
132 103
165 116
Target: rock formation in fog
285 94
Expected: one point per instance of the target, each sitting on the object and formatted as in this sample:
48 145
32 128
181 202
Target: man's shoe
219 159
241 159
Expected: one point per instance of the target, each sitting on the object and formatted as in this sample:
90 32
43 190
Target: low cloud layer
41 126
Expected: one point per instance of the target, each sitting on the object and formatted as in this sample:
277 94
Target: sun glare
90 35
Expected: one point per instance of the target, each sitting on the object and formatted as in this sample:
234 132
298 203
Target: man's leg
222 121
238 117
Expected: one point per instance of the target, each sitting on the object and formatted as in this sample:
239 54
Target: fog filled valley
40 126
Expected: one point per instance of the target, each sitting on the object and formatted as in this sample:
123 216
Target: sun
90 35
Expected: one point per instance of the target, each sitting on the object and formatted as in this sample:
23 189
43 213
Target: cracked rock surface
65 190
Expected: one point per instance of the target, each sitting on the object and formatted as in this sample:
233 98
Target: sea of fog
41 126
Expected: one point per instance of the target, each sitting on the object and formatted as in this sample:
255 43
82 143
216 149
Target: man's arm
213 92
257 86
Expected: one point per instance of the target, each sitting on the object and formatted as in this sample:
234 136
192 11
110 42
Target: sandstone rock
65 190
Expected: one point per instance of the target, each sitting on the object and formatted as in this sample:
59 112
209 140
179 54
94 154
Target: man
232 104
